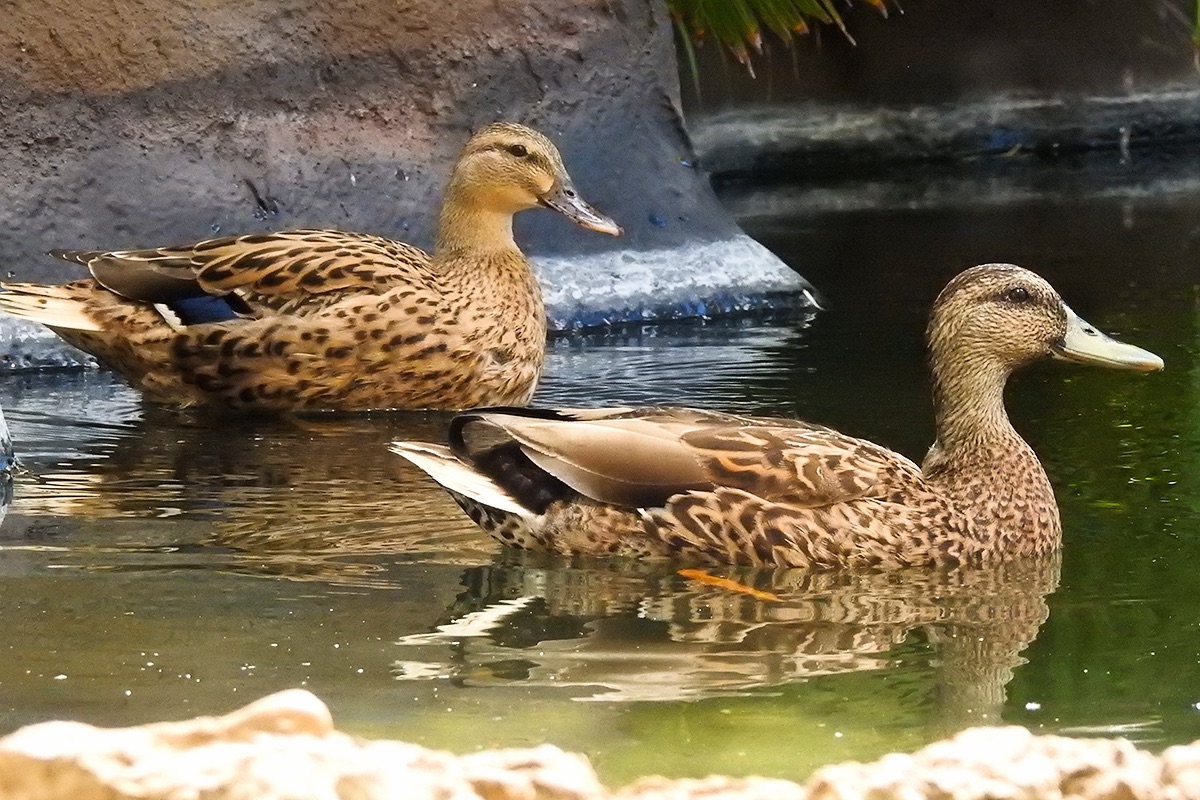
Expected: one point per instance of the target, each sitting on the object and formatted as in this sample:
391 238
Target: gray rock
28 345
821 139
350 117
679 282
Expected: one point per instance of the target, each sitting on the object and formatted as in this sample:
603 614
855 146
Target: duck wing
281 271
641 458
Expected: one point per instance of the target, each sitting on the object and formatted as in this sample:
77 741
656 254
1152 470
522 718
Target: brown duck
706 486
322 319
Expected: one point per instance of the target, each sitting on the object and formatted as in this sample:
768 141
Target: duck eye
1017 294
518 150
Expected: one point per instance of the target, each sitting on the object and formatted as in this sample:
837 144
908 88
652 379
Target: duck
330 320
723 488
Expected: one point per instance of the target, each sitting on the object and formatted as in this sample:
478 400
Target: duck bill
563 198
1084 344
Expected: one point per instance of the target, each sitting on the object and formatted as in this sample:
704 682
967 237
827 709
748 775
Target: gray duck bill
563 198
1084 344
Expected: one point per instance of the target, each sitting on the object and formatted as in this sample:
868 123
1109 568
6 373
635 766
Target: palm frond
738 24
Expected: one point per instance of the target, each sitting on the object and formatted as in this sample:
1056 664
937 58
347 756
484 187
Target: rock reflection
632 631
6 494
299 497
733 364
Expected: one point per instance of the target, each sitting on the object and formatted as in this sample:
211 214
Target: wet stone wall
147 122
945 80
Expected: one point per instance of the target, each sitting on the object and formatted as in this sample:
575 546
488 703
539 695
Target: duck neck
476 258
968 402
467 226
981 463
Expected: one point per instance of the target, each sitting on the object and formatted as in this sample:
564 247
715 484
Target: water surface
158 565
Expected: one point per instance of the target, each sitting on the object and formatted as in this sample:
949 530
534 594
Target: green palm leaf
738 24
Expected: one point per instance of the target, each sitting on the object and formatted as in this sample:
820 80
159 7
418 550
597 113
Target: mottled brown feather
714 487
285 270
322 319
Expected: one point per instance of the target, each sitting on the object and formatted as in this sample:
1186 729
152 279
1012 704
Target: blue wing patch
205 308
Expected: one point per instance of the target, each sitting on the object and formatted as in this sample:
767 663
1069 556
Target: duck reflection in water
620 630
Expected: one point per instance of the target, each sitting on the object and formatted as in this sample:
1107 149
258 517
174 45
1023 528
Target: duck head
506 168
1005 316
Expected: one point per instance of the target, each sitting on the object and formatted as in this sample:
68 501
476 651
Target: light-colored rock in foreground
285 746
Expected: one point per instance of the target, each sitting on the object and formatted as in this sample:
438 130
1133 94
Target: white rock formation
1014 764
284 747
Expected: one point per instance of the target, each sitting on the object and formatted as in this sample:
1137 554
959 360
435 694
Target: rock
714 787
669 283
28 345
1010 763
265 115
1181 770
831 139
10 465
285 746
945 81
8 459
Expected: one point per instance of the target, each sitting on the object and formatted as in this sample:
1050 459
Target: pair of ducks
325 319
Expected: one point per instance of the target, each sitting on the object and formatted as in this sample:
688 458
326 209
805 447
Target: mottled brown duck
713 487
323 319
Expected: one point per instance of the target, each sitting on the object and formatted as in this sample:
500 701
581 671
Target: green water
159 565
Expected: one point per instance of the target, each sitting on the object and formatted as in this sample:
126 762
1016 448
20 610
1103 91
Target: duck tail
459 478
52 306
84 257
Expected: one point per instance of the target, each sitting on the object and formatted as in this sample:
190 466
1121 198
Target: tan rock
999 764
284 747
714 787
